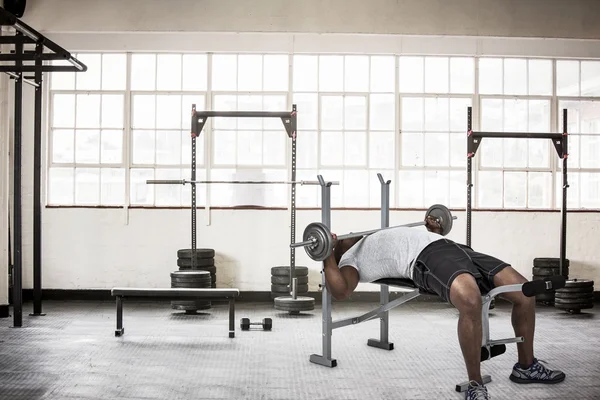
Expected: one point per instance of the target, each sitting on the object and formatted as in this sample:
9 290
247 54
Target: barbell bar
317 238
185 181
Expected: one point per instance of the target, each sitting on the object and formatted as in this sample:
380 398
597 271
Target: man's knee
465 294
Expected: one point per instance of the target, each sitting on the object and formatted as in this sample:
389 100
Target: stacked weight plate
280 281
203 260
545 267
190 279
578 294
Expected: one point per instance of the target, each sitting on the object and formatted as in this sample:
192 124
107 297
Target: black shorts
442 261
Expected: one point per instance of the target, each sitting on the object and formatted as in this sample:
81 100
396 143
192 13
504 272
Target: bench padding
176 292
396 282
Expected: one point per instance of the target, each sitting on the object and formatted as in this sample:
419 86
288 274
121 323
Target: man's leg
466 297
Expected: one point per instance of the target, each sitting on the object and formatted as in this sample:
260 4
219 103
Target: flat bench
176 294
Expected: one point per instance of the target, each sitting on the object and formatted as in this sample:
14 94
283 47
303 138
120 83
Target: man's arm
340 282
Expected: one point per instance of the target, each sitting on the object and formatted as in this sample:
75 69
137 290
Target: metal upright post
563 230
193 173
470 155
325 358
18 220
293 279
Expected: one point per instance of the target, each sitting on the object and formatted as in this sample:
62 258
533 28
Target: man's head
343 246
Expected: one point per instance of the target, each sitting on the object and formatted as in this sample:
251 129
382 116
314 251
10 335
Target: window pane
382 74
273 151
307 149
195 72
274 103
225 103
144 111
411 70
458 192
437 187
168 72
112 186
437 114
590 151
491 115
490 76
382 150
515 115
589 115
62 80
458 114
412 149
462 75
143 149
332 149
590 189
143 71
437 149
540 190
61 186
540 77
88 111
332 112
225 147
112 111
309 195
413 114
249 149
458 150
168 195
356 74
436 75
111 147
169 111
87 146
87 186
308 110
574 152
355 112
515 189
490 189
382 112
590 71
63 146
140 192
572 191
331 73
276 73
355 148
411 190
224 72
515 153
356 184
114 71
567 78
250 103
251 74
305 75
539 116
90 79
515 76
168 147
538 153
491 152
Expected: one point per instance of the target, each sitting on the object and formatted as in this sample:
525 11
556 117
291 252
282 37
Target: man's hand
334 241
433 225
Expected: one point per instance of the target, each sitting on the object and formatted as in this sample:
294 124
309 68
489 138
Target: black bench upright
228 294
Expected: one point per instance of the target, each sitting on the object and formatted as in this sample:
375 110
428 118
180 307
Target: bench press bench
228 294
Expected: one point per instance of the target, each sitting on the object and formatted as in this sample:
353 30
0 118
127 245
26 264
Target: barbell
317 238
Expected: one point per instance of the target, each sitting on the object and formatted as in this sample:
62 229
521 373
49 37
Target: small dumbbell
266 323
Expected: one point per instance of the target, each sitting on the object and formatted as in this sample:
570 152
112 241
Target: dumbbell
267 324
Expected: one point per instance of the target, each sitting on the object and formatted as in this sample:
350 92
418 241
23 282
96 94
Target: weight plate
573 301
545 296
189 274
285 271
190 305
443 214
211 269
199 262
582 296
576 290
579 283
322 247
276 295
191 285
549 262
287 303
208 280
200 253
544 271
284 280
285 289
580 306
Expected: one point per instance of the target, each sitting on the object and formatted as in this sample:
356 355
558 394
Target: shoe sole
526 381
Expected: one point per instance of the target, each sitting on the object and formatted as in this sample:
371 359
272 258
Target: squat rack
15 63
560 142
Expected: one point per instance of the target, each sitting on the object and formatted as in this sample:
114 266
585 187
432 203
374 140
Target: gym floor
72 353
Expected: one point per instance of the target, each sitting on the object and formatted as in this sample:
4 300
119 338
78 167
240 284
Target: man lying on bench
455 273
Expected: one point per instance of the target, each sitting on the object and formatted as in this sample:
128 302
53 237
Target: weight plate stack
200 260
577 295
190 279
544 268
280 281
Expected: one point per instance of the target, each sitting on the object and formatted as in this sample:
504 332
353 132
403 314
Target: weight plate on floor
284 280
549 262
285 271
544 271
287 303
211 269
576 290
286 289
200 253
190 274
579 283
443 214
190 305
208 280
574 306
573 301
581 296
199 262
191 285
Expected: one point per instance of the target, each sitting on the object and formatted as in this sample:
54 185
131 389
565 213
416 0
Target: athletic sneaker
536 373
477 391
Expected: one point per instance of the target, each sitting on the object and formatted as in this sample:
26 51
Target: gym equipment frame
489 348
14 66
560 142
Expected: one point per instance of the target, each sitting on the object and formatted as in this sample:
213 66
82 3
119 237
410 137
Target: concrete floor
72 353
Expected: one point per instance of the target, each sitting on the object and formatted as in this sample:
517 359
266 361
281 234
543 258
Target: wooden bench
176 294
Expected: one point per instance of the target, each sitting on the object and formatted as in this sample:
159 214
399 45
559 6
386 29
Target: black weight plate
549 262
284 280
286 289
190 305
576 290
208 280
199 262
200 253
191 285
267 324
579 283
581 296
443 214
543 271
573 301
190 274
287 303
276 295
323 246
545 296
211 269
285 271
580 306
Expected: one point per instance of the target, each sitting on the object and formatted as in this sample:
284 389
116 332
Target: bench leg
231 318
383 342
120 330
